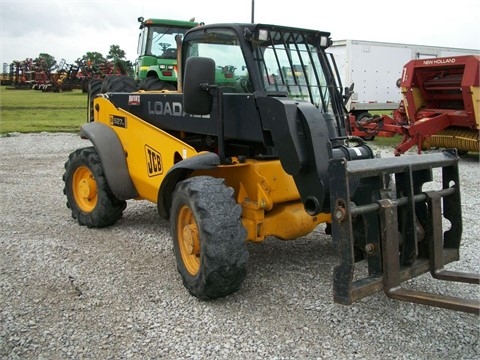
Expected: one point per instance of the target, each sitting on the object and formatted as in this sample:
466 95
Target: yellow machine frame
268 195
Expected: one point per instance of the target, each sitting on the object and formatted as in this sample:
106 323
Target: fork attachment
397 232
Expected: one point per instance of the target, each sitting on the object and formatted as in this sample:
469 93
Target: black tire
359 118
88 195
209 240
154 83
118 83
93 90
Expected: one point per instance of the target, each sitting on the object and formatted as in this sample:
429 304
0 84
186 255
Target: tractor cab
157 48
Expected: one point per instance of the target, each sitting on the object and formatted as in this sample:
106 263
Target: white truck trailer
375 69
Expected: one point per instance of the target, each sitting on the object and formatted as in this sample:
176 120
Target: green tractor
156 66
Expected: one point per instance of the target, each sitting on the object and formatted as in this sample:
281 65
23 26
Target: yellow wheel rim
188 240
85 189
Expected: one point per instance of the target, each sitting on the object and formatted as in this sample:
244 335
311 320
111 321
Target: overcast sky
68 29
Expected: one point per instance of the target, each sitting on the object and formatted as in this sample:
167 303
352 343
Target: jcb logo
154 161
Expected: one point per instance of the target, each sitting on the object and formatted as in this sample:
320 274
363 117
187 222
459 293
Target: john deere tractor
156 66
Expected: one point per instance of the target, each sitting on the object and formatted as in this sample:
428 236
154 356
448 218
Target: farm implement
440 107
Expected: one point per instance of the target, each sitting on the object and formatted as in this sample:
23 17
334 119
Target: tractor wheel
154 83
359 118
88 195
118 83
208 237
94 87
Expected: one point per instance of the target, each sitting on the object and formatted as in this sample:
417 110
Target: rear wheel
93 90
154 83
208 237
88 195
118 83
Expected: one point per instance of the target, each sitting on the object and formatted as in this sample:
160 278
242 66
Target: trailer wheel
88 195
208 237
359 118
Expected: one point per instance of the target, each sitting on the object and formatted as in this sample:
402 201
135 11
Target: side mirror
198 77
348 92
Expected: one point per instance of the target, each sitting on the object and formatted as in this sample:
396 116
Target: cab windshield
289 62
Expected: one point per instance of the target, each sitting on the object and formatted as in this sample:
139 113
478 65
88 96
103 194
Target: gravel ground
68 292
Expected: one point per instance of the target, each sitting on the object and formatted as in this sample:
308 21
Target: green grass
388 141
29 111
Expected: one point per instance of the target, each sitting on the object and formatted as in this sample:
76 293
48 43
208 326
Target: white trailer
375 69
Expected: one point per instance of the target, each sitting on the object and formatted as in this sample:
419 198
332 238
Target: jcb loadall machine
253 144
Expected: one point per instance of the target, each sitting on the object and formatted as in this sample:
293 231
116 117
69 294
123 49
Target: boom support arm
302 136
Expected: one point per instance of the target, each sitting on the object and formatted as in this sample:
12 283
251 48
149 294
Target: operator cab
270 60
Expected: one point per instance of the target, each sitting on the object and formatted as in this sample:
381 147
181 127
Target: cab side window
230 69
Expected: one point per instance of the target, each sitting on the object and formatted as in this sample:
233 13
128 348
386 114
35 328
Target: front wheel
88 195
208 237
